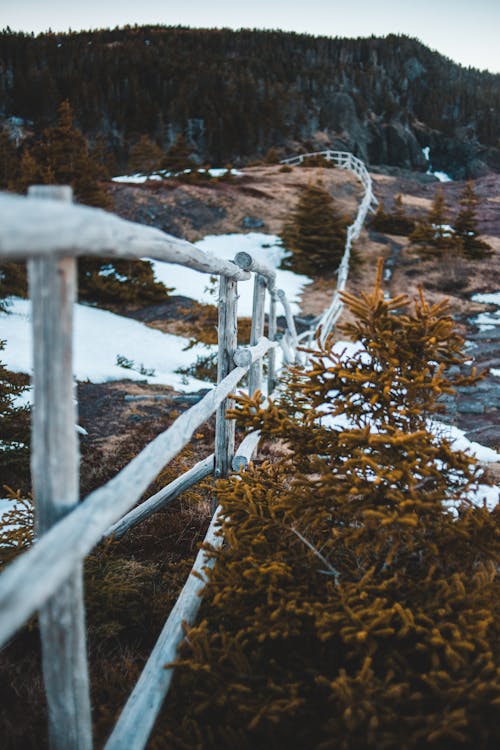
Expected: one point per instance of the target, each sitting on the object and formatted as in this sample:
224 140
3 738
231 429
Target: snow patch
490 298
101 337
139 178
136 179
485 494
460 443
487 321
219 172
441 176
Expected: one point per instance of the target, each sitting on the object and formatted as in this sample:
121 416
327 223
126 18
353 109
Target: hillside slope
236 94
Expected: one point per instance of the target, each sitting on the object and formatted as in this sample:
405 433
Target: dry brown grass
131 584
264 192
423 204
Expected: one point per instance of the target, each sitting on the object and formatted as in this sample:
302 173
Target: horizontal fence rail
34 576
159 500
28 231
136 721
343 160
49 231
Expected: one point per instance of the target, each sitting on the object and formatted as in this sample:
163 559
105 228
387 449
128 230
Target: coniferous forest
234 95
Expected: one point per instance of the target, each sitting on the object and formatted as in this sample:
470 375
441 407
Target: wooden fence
50 232
343 160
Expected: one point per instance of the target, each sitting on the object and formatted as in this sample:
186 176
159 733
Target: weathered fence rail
50 232
343 160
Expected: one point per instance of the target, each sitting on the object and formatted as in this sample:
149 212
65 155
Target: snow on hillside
441 176
491 298
139 178
100 338
266 248
136 179
487 321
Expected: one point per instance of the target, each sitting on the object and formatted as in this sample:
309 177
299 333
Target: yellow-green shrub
353 604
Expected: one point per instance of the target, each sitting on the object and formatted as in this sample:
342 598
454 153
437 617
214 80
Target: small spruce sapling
434 237
14 430
466 226
315 234
145 156
351 605
395 222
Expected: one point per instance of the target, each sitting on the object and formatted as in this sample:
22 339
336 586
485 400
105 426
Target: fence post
290 323
55 468
257 331
271 334
228 340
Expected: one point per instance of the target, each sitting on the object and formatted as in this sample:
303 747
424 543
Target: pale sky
467 31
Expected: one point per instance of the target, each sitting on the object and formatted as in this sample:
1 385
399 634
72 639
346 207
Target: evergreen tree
62 156
434 237
13 275
116 280
14 421
9 161
145 156
178 157
380 217
63 152
103 157
315 233
13 281
351 607
466 226
271 156
30 172
14 429
396 222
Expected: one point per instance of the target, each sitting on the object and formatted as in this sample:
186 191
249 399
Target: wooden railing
343 160
50 232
